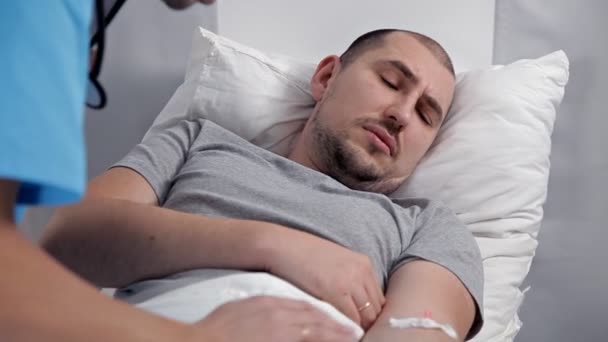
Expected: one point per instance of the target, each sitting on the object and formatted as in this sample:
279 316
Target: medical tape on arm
422 322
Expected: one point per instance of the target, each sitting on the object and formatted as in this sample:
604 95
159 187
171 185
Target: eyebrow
409 74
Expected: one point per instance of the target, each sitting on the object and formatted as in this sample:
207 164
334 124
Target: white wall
313 29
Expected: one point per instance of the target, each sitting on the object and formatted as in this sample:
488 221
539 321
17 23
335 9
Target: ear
321 79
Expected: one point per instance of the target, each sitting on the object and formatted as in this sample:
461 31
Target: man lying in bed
197 196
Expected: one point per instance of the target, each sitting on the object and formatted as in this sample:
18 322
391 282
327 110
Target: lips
384 136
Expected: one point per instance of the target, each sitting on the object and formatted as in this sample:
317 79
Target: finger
375 292
325 331
364 307
345 304
300 311
379 291
376 304
326 335
308 322
324 319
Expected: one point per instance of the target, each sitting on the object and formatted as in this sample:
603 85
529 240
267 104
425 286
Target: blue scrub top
43 74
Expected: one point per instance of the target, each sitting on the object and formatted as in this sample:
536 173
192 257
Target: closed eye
424 117
389 84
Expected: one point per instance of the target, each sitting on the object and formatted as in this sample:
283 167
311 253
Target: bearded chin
343 162
346 162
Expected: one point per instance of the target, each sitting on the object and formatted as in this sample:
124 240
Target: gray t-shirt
201 168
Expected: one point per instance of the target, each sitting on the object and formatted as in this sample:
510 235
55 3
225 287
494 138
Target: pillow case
489 163
261 97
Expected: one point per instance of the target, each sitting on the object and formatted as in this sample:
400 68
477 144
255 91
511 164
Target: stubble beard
345 163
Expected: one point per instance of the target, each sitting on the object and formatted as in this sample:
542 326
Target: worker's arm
41 301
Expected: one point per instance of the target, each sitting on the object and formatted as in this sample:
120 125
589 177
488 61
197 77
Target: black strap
98 42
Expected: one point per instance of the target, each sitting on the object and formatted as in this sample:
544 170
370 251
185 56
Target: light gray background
568 300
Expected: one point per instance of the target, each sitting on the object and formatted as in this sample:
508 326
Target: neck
300 154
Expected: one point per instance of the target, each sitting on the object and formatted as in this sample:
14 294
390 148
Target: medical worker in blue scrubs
44 61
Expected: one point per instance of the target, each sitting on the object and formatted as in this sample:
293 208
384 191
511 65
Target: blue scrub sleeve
43 74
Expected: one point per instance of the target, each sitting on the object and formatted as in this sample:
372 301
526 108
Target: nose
402 111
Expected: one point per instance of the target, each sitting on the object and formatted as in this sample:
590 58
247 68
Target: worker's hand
328 271
269 319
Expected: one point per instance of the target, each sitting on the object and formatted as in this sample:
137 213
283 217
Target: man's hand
269 319
328 271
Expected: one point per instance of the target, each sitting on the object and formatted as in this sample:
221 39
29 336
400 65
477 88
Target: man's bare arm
118 235
421 287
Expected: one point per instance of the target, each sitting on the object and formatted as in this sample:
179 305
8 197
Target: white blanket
190 296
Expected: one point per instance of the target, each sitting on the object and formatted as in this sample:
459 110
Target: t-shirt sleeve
441 238
43 68
162 153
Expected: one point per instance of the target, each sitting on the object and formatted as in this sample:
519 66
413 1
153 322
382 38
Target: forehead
402 47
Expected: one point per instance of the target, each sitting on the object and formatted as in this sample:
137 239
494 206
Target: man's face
377 116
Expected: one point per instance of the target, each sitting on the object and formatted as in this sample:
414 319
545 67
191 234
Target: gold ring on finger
364 306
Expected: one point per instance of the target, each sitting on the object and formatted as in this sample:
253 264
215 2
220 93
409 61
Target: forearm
114 242
43 302
422 288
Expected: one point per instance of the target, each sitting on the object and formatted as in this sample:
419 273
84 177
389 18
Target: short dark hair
375 39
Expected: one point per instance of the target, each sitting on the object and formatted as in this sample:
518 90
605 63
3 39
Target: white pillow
489 163
263 98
